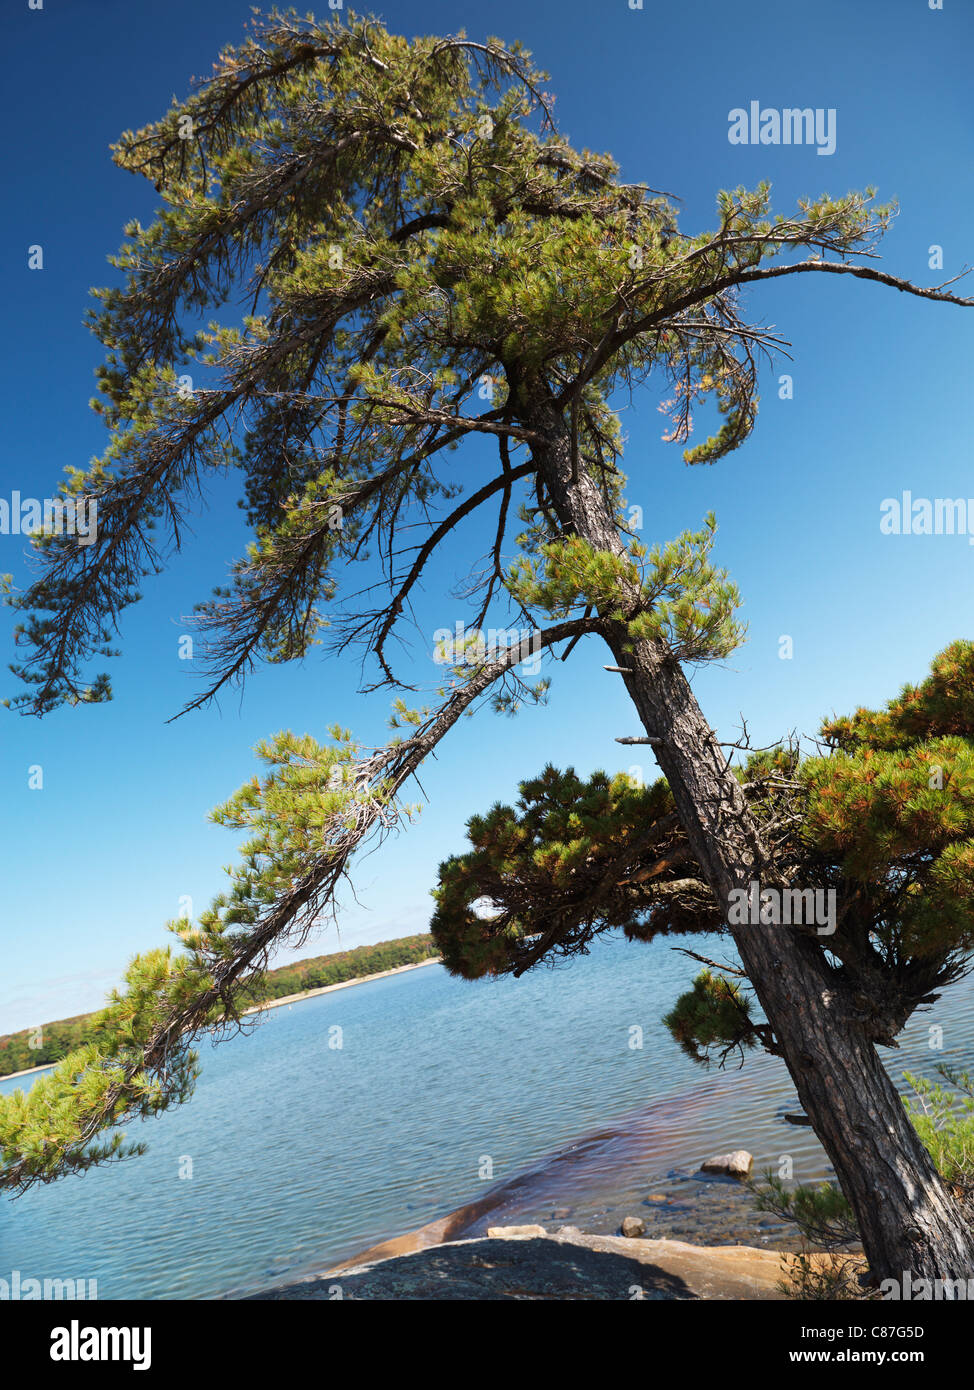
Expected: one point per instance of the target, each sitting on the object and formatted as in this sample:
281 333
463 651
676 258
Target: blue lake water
304 1153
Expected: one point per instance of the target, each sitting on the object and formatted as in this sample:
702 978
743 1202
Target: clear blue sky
97 861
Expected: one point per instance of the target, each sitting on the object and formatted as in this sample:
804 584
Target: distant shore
276 1003
343 984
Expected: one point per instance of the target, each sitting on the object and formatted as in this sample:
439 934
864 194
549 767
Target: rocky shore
463 1257
526 1263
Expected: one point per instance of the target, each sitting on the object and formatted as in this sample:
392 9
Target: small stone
633 1226
515 1232
568 1231
736 1165
657 1197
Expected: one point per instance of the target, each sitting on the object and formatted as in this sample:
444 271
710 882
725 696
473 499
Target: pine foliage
885 821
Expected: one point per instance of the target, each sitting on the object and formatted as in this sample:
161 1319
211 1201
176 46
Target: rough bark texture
908 1219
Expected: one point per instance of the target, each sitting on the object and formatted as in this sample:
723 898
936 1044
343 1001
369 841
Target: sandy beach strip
343 984
276 1003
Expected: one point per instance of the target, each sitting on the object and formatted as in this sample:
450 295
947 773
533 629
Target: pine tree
409 228
884 821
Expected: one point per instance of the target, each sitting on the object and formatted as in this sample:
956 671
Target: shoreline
679 1203
531 1262
342 984
276 1003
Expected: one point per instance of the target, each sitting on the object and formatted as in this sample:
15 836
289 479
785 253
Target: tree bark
907 1219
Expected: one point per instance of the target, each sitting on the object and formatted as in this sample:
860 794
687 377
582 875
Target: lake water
514 1100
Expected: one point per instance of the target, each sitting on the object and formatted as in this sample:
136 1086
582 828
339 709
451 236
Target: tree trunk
907 1218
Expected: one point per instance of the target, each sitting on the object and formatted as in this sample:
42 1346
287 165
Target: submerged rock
735 1165
633 1226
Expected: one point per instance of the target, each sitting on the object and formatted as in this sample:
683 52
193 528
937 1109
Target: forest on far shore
33 1047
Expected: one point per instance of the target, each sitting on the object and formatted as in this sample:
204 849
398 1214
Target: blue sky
99 859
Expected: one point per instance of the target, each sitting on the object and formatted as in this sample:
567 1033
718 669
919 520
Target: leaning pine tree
879 834
405 224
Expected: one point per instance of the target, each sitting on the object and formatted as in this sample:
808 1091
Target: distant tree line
33 1047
